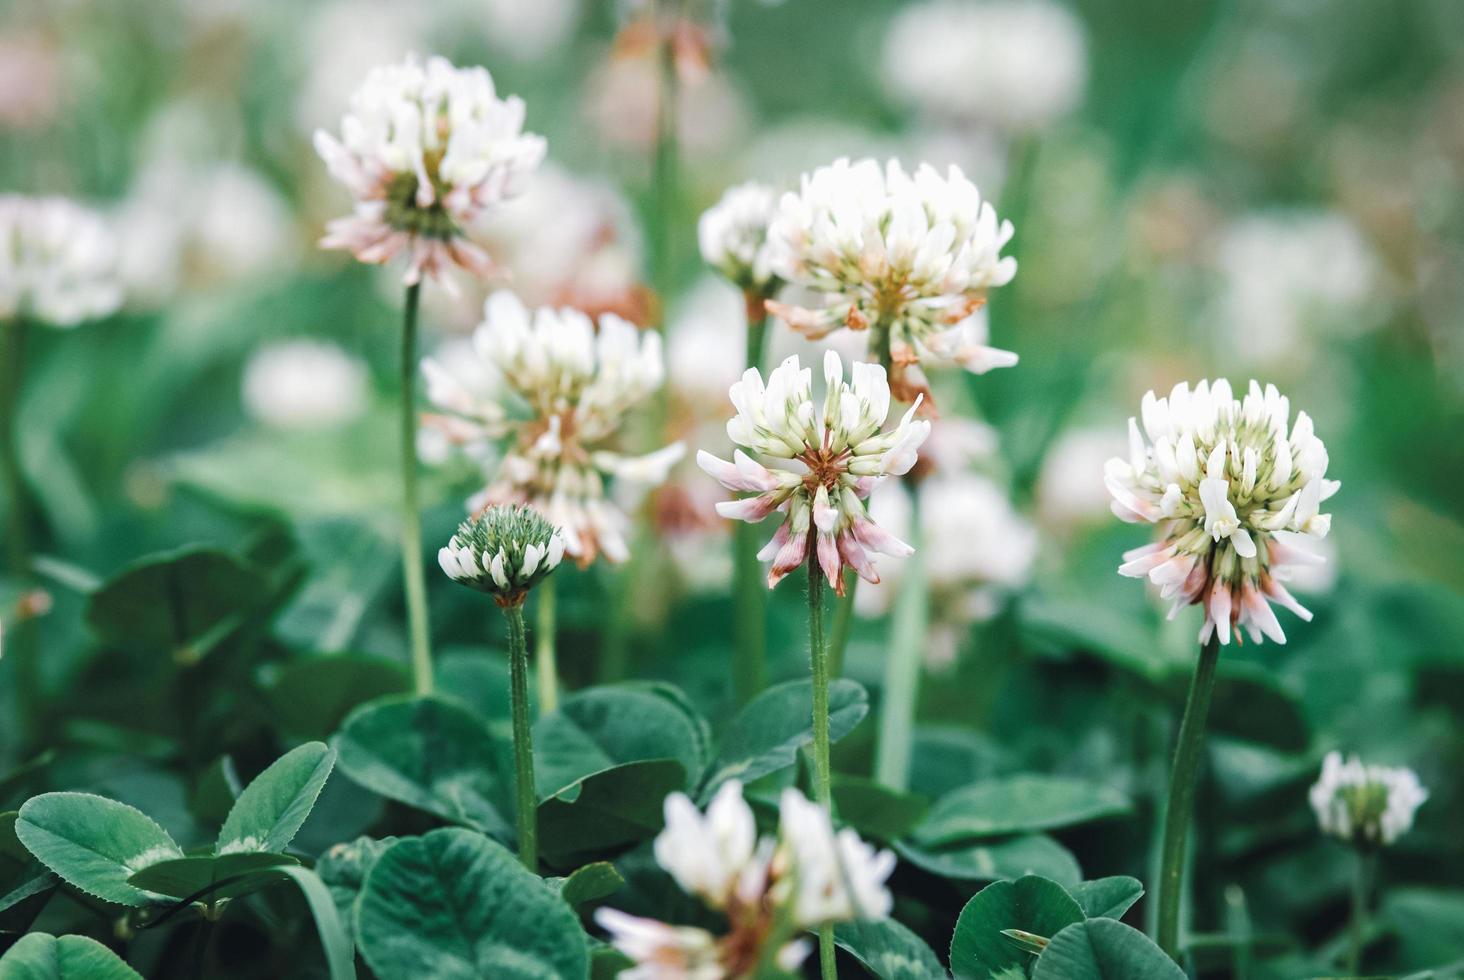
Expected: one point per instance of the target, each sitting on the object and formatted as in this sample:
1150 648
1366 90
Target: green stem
1361 886
523 744
749 625
412 575
908 629
1182 780
843 625
822 776
664 166
12 364
544 653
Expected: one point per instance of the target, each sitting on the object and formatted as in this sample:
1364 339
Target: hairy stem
1361 886
523 744
822 776
544 650
908 630
412 575
1182 781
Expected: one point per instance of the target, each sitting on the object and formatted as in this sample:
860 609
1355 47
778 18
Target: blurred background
1268 189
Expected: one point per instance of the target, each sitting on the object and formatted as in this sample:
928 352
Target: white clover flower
1365 805
578 383
505 551
1236 492
829 457
836 877
768 889
733 235
1017 65
304 384
426 150
908 257
1287 278
58 262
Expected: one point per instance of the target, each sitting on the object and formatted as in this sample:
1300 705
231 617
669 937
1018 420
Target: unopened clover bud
505 552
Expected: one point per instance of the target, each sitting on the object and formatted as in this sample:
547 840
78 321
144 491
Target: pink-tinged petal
720 470
1126 503
750 509
755 476
857 558
789 557
1277 591
828 560
1261 613
771 549
876 538
1218 610
1140 561
824 514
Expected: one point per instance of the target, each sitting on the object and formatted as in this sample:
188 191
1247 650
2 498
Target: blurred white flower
1070 487
1365 805
304 385
426 150
977 550
341 40
622 103
570 240
1014 64
58 261
733 235
909 258
706 344
578 383
768 889
504 551
1235 491
1287 278
201 227
527 30
827 460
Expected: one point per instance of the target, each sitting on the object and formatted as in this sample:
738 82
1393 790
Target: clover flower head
1365 805
1237 489
504 551
768 888
58 262
827 458
574 382
425 150
733 235
909 257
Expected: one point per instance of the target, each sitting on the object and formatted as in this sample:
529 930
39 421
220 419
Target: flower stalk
413 579
1180 808
822 771
1367 858
908 632
523 744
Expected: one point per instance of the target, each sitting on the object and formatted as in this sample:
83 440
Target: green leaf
766 735
701 728
1017 804
95 844
453 904
272 808
589 883
313 696
340 958
1104 949
479 681
39 956
429 753
187 876
619 806
344 867
184 601
603 727
888 950
874 810
1108 898
1252 703
996 858
1031 904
